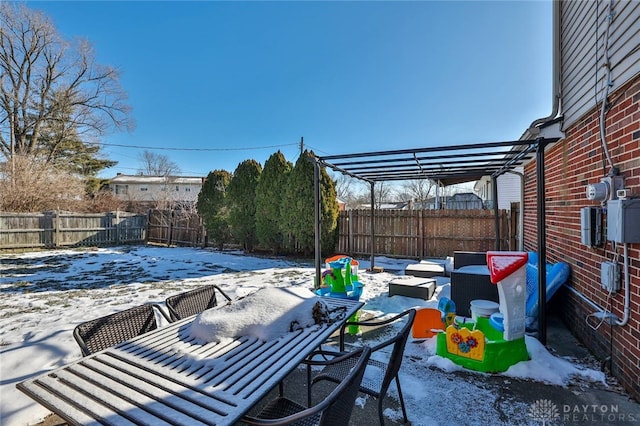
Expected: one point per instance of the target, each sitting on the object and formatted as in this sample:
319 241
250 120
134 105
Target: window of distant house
164 188
187 190
122 189
144 188
177 188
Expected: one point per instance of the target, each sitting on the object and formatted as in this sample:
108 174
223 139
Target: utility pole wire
190 149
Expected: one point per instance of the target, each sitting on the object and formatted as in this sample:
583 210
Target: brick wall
570 165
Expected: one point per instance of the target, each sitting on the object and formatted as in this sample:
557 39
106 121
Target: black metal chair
101 333
334 410
193 302
381 374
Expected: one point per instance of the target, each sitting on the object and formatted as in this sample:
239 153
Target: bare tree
382 192
30 185
418 190
50 89
102 201
348 189
358 194
152 164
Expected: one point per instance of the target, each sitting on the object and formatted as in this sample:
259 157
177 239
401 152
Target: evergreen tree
79 159
298 209
212 207
269 195
242 202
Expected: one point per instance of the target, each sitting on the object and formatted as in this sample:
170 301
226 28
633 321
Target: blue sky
244 79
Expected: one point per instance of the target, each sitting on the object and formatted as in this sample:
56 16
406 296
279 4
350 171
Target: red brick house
596 109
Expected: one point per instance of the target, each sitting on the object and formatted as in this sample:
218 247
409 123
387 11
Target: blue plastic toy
339 284
557 275
342 285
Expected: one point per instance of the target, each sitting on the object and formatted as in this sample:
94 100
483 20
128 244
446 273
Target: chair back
399 341
341 400
193 302
334 410
101 333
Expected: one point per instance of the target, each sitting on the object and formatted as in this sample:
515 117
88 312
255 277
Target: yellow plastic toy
465 343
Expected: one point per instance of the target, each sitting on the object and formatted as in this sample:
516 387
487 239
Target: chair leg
404 410
380 410
308 386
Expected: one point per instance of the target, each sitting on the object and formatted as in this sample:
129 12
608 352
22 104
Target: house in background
161 192
462 201
510 187
386 205
459 201
596 113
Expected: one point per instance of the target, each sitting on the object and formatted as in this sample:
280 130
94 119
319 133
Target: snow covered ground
44 295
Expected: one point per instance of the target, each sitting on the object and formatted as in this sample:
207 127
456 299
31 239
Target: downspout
555 83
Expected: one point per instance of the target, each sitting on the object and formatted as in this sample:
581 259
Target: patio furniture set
135 372
469 280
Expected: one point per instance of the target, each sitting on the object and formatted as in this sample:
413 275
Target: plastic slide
557 274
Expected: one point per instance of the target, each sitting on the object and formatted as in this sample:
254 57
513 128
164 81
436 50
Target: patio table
165 377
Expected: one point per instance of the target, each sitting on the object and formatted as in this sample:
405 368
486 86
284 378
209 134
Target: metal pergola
446 165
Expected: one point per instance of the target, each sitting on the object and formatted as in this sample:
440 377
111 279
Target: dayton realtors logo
546 411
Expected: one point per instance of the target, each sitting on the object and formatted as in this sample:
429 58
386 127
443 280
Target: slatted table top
167 378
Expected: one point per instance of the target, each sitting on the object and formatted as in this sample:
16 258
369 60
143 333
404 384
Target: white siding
582 55
156 189
509 190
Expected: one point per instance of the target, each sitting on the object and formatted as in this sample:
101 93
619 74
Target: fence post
117 239
148 227
142 227
350 232
106 222
47 225
56 228
169 231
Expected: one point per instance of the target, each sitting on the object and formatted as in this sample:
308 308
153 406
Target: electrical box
623 220
610 276
607 189
591 226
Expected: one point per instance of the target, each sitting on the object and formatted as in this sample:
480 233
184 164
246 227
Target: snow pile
266 314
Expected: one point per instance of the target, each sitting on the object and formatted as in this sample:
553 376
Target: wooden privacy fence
172 227
422 233
399 233
62 229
